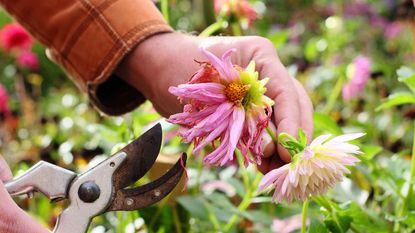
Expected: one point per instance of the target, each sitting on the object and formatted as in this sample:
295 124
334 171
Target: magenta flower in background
287 225
226 107
4 101
27 59
392 30
241 8
314 170
360 74
14 36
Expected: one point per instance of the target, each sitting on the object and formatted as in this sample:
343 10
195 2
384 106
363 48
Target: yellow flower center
236 92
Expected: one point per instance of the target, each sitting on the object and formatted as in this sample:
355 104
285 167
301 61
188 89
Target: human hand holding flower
168 60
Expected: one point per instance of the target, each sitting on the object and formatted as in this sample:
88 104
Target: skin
12 219
166 60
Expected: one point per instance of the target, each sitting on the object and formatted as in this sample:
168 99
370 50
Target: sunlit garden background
355 58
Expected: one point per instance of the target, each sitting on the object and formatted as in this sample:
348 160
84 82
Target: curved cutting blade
141 155
148 194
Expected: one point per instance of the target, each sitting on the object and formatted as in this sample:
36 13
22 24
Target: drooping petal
223 66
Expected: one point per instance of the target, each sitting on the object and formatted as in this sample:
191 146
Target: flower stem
304 216
246 201
236 29
334 95
212 29
272 135
164 5
407 197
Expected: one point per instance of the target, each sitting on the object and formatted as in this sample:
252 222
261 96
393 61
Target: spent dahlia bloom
314 170
28 59
239 8
359 76
226 104
14 36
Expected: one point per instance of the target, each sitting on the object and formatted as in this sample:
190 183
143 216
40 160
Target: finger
306 108
282 90
5 173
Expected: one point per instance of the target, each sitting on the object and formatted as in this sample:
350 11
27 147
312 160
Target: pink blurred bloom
360 75
240 8
313 171
225 103
219 185
14 36
4 101
27 59
392 30
287 225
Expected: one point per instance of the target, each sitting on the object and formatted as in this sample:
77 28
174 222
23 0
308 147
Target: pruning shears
103 188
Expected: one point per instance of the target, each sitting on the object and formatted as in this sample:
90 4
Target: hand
168 60
12 218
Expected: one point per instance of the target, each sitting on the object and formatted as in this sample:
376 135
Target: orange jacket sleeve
88 38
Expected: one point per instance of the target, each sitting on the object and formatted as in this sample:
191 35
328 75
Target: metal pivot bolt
89 192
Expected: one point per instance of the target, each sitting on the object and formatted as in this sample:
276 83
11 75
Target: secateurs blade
104 187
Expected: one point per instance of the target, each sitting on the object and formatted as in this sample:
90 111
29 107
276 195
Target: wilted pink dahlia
314 170
14 36
359 77
226 104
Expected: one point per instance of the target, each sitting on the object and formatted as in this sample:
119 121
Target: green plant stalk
321 200
304 216
212 29
334 95
212 217
246 201
411 184
176 219
272 135
236 29
164 5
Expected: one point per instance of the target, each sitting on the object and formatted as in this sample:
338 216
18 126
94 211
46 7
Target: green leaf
324 123
317 227
409 81
278 39
370 151
195 206
397 99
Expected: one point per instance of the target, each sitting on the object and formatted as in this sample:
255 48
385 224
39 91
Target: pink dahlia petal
224 65
237 122
204 92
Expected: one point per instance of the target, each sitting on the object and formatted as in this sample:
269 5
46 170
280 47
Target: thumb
5 173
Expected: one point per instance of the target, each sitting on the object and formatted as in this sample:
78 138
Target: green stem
272 135
164 5
212 29
334 95
304 216
176 219
407 197
236 29
246 201
321 200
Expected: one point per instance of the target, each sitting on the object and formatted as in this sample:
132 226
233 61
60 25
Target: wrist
144 68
